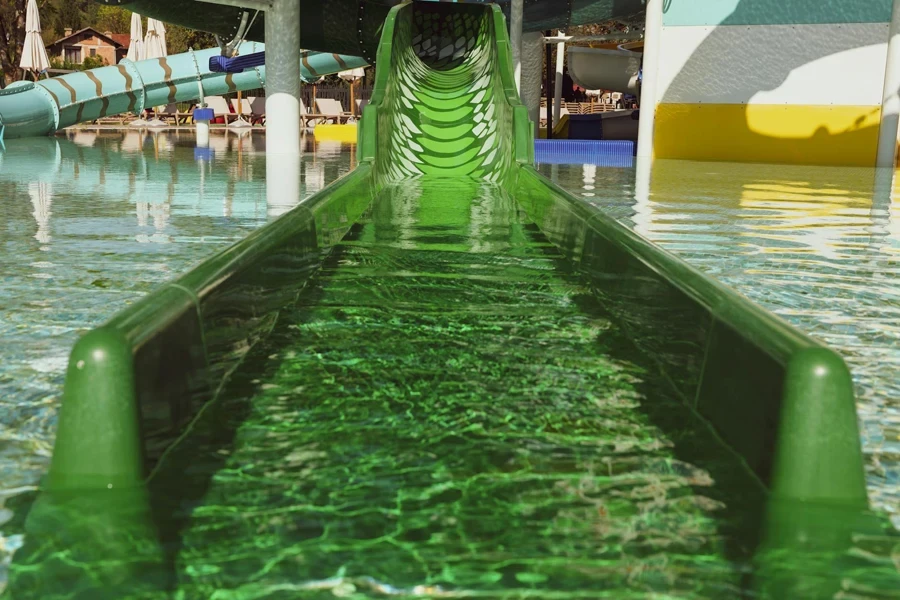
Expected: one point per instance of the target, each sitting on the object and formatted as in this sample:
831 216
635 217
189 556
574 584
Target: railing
340 93
585 108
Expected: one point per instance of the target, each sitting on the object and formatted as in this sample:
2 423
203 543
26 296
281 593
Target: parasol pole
353 97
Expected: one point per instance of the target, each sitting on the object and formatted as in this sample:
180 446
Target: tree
179 39
12 36
58 15
114 19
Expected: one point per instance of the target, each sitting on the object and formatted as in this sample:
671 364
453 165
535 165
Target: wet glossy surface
827 255
449 411
86 227
819 246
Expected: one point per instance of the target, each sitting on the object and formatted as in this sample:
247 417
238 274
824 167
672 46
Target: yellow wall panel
788 134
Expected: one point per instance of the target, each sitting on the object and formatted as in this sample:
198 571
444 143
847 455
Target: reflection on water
449 412
819 246
89 224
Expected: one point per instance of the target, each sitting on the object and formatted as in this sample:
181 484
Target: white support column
282 182
283 77
517 9
557 91
649 94
532 75
282 106
890 104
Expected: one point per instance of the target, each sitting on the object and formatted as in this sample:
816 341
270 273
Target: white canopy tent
34 54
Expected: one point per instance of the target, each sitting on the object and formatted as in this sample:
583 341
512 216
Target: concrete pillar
283 77
517 9
532 74
282 182
282 106
560 67
649 95
890 104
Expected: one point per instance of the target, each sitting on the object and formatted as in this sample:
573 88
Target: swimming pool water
818 246
92 223
450 411
87 226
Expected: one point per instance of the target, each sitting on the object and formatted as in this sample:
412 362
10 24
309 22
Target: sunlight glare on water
87 226
92 223
818 246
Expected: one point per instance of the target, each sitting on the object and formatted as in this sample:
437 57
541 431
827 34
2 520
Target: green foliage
93 62
58 15
180 39
114 19
12 36
90 62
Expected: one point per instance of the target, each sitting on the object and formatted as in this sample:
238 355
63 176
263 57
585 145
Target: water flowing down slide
444 377
29 109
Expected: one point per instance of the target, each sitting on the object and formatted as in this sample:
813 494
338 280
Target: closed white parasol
155 40
136 45
34 54
155 47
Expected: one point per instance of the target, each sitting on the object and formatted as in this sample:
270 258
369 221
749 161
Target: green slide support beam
445 108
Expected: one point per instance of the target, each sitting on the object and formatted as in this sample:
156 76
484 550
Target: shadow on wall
753 81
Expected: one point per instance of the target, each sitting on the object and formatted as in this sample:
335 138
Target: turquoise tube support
29 109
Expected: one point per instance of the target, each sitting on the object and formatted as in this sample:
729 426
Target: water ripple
819 246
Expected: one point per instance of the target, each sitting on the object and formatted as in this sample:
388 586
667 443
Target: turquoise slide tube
29 109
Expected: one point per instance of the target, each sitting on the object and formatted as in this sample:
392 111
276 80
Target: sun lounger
310 119
171 112
332 110
257 113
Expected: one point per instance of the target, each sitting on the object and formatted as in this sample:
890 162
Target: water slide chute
444 121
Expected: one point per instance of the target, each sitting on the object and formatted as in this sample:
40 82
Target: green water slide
443 376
